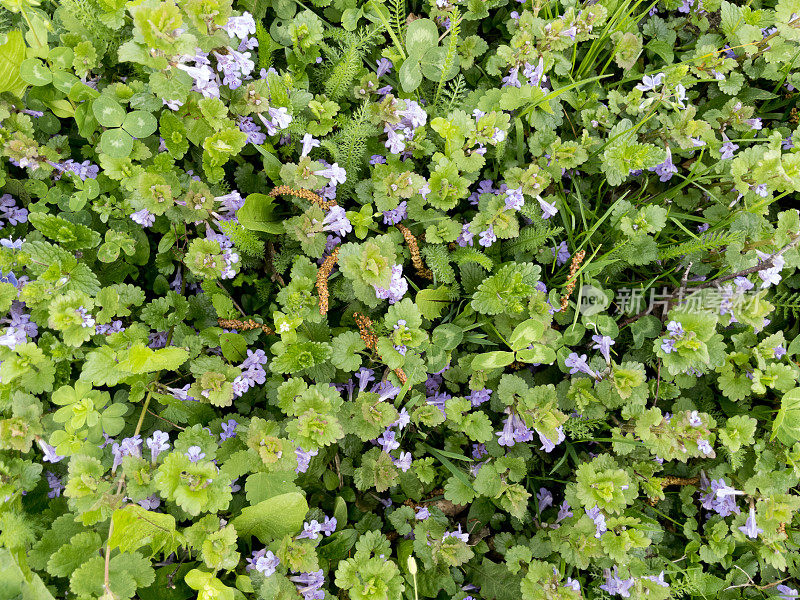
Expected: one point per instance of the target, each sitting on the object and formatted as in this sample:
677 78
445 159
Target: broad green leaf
116 143
539 354
421 35
410 74
526 333
786 426
273 518
108 112
12 53
35 72
256 214
492 360
139 123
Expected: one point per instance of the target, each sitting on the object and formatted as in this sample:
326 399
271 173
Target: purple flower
464 537
337 222
727 149
404 462
545 498
705 447
335 173
396 215
152 502
228 430
599 521
311 530
55 484
666 169
49 452
465 237
719 497
659 579
787 593
778 351
263 561
86 319
561 253
377 159
398 286
422 513
364 376
750 529
478 397
603 343
564 512
144 218
487 238
650 83
402 420
694 419
387 441
514 199
309 584
616 586
158 443
195 453
578 364
384 67
303 459
548 210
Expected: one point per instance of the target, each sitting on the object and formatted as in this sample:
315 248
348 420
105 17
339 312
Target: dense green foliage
383 300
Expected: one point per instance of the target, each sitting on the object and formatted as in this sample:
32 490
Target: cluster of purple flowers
676 332
545 500
11 212
85 170
229 257
313 529
309 585
20 325
253 372
396 215
398 286
410 118
718 496
515 431
263 561
534 74
130 446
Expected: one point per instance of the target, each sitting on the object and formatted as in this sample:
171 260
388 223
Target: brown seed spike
282 190
322 280
364 324
248 325
577 259
416 257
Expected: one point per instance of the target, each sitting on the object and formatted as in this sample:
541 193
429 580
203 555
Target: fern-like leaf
702 244
438 260
472 255
245 240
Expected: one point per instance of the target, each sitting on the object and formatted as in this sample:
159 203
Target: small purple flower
263 561
404 462
577 364
616 586
384 67
478 397
750 529
56 487
599 521
195 453
158 443
228 430
514 199
545 499
49 452
396 215
387 441
304 459
144 218
787 593
779 351
487 238
309 142
666 169
548 210
422 513
561 253
603 343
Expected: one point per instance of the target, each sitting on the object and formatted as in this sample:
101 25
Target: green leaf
492 360
134 527
421 35
71 236
256 214
139 123
432 301
410 74
108 112
35 72
12 54
116 143
540 354
142 359
273 518
234 346
526 333
786 426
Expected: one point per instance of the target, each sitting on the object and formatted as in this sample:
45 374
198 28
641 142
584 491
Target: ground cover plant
460 299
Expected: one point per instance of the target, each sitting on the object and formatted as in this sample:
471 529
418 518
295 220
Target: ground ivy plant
399 299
